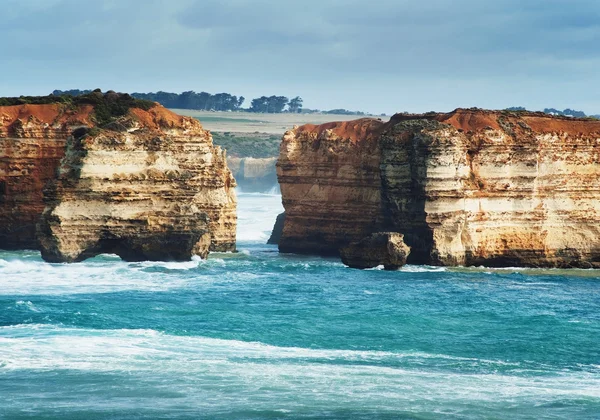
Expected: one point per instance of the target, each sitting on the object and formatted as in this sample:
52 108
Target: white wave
27 304
217 348
270 193
34 276
412 269
256 216
250 367
422 269
275 190
175 265
380 267
99 275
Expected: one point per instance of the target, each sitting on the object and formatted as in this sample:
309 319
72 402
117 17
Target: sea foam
248 366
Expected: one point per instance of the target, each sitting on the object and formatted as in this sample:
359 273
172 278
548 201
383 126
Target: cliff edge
107 173
469 187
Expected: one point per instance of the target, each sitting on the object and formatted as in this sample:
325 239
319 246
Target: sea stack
469 187
105 173
381 248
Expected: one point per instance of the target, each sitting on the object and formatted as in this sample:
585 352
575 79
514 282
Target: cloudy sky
376 56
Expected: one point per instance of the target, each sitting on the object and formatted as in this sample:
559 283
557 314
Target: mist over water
257 334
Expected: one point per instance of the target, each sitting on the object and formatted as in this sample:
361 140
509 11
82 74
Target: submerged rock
381 248
145 184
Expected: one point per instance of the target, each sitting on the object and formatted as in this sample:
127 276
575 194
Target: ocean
259 335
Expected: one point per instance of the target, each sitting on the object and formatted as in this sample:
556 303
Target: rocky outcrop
254 174
277 230
470 187
381 248
147 184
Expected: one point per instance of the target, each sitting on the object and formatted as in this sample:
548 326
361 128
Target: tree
259 104
277 103
295 105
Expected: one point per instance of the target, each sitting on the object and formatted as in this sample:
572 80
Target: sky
379 56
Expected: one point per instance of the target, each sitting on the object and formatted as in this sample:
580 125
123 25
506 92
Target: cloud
380 56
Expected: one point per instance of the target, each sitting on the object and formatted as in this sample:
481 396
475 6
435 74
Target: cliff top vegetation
107 106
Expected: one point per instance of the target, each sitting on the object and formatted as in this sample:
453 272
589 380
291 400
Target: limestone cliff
330 185
469 187
147 184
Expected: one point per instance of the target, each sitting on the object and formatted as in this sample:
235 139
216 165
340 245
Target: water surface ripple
262 335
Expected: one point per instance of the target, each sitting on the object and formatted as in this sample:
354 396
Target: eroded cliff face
470 187
330 185
148 185
32 143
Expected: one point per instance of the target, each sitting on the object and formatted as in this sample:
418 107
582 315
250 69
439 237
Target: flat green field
246 134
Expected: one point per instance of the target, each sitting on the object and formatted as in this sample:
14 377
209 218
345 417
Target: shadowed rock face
381 248
147 186
277 230
30 152
470 187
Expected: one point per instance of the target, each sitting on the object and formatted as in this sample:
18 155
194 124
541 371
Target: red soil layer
160 117
47 113
576 126
57 114
468 120
356 130
479 119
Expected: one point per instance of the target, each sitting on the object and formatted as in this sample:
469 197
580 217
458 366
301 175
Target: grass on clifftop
256 145
107 106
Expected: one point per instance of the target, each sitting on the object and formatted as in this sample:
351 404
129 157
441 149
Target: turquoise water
262 335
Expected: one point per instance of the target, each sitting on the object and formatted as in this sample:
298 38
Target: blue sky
377 56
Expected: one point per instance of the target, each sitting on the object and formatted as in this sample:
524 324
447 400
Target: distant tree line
276 104
185 100
341 111
337 111
192 100
568 112
207 102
